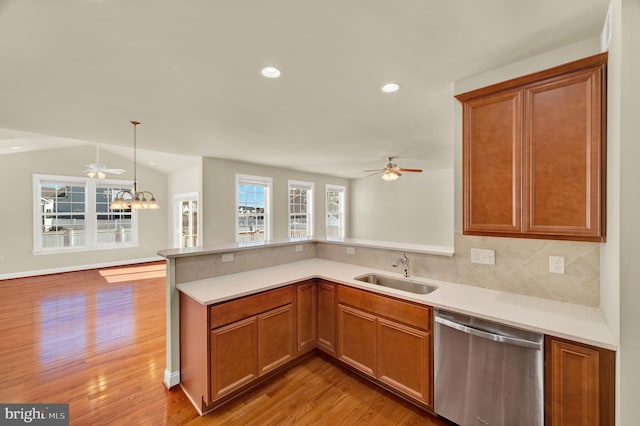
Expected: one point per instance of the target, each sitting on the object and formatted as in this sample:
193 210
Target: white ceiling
190 72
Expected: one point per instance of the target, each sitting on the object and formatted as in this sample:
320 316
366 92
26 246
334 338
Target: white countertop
575 322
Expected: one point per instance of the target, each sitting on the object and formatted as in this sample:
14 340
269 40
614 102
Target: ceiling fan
98 170
391 171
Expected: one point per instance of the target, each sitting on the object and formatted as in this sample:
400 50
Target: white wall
218 198
620 268
16 240
416 208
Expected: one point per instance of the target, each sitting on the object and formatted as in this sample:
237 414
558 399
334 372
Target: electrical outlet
351 250
483 256
1 258
227 257
299 248
556 264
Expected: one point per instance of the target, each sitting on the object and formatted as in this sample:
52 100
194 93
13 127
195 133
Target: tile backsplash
522 266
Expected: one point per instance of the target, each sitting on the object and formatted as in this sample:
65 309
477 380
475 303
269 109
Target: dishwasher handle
488 335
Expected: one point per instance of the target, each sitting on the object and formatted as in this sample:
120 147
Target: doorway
186 220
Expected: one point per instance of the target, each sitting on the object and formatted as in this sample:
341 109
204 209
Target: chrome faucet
404 260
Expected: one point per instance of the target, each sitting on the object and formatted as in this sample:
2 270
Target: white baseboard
78 268
171 378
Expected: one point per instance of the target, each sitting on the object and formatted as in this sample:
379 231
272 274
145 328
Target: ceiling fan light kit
135 200
391 171
98 170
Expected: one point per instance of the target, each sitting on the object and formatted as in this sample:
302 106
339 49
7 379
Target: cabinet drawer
404 312
235 310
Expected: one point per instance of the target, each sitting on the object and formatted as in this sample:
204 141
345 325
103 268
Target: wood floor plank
96 340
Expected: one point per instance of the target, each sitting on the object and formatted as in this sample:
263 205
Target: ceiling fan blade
114 171
373 170
376 173
410 170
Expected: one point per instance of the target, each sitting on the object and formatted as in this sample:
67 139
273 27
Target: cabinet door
306 312
579 384
276 338
564 154
404 359
327 317
234 356
357 339
492 164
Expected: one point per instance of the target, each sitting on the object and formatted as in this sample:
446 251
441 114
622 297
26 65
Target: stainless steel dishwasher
487 373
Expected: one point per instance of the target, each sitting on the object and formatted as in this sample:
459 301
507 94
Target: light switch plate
351 250
556 264
483 256
299 248
227 257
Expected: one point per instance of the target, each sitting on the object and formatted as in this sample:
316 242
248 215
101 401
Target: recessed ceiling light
271 72
390 87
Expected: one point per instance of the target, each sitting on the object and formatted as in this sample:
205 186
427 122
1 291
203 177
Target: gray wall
218 198
16 211
417 208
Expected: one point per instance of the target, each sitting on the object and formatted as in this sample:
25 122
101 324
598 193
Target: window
73 213
335 211
300 209
253 208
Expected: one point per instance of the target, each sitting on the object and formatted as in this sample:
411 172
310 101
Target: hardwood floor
96 340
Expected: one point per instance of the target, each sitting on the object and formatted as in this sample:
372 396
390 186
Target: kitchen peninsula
216 276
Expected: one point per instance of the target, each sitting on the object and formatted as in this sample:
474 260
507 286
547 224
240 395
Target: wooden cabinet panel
563 155
492 161
534 154
307 314
579 384
327 317
244 307
357 339
275 338
408 313
404 355
234 361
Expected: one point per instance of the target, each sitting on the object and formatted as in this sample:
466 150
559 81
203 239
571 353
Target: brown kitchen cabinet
388 340
580 384
226 347
326 326
307 315
534 153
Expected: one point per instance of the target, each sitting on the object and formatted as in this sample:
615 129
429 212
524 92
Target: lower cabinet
228 347
387 339
580 382
357 341
326 325
404 355
234 356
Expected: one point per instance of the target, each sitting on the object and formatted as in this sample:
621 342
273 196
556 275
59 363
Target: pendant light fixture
135 200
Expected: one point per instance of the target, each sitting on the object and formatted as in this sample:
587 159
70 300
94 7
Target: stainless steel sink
397 283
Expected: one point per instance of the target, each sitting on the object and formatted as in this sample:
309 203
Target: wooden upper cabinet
534 154
563 158
492 167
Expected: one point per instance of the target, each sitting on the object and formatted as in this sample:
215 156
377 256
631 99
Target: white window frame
343 190
267 182
310 187
90 186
